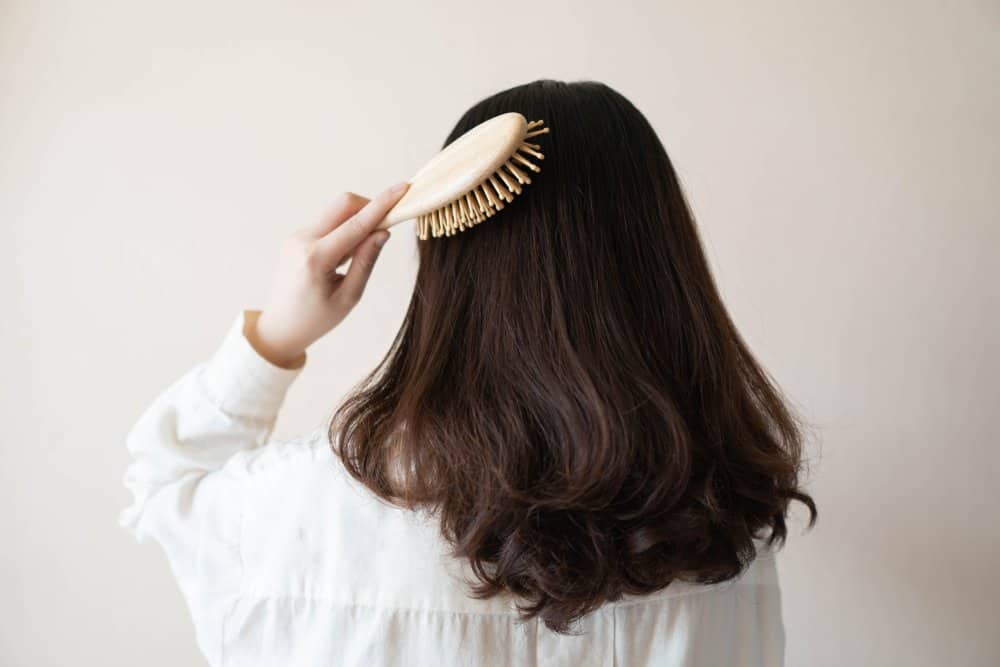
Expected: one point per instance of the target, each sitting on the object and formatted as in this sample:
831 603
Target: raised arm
190 447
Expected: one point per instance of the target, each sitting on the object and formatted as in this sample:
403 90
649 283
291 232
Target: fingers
362 263
345 237
344 206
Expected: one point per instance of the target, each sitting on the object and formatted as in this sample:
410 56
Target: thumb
362 263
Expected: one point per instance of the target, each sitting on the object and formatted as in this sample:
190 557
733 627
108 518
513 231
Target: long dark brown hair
567 394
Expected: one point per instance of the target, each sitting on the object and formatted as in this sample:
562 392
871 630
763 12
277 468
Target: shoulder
300 472
278 453
288 456
300 477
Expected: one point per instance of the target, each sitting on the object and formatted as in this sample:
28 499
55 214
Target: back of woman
568 455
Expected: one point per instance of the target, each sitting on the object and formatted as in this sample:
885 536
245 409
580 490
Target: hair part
567 393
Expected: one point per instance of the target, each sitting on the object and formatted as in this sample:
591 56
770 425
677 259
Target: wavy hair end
567 393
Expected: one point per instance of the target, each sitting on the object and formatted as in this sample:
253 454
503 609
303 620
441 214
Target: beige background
841 158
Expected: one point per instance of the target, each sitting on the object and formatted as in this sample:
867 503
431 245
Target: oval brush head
471 178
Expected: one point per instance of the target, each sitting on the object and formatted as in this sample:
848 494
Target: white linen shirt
285 560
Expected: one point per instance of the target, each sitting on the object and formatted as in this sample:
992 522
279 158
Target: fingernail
398 187
381 238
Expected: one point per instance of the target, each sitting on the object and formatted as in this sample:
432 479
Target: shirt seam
614 637
370 605
611 607
241 567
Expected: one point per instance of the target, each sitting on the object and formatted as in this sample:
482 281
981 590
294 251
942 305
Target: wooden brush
471 178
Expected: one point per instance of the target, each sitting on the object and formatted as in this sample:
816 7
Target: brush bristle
483 201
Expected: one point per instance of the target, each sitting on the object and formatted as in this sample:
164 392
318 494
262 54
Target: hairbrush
471 178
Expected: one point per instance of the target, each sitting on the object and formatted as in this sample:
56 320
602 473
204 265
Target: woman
568 456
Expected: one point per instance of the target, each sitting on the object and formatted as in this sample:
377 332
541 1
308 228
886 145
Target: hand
309 297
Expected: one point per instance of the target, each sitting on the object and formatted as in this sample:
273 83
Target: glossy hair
567 394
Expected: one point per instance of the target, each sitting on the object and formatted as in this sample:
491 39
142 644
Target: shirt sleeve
188 473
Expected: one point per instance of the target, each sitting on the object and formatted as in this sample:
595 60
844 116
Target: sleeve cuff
242 382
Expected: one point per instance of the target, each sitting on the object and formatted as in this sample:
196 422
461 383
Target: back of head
567 392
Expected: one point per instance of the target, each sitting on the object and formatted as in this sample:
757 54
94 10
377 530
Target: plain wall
841 158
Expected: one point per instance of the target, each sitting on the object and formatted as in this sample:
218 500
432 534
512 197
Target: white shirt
284 560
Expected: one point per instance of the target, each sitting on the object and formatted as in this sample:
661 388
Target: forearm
215 410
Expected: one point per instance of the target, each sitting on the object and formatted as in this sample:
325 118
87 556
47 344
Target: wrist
258 333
